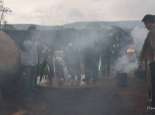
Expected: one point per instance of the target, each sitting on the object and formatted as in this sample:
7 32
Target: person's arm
152 40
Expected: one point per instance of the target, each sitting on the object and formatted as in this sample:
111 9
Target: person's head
149 21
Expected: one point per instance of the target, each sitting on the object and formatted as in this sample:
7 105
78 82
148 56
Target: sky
58 12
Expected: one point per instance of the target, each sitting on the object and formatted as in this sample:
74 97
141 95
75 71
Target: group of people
76 66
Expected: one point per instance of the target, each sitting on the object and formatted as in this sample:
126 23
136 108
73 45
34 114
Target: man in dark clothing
147 56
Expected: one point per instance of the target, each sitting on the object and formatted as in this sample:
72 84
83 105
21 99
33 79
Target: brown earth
106 99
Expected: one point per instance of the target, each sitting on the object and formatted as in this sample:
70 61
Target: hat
149 18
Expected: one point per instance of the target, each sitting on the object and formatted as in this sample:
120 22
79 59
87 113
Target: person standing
147 56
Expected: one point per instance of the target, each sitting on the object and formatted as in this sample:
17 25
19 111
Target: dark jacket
148 50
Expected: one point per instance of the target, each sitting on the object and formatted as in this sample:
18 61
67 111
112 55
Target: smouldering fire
130 50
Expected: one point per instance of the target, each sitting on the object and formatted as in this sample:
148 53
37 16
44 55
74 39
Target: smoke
29 55
35 49
74 42
125 65
139 34
129 62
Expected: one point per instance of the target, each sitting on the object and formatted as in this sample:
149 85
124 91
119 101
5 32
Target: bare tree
3 10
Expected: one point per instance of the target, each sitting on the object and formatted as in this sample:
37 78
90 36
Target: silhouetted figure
91 63
147 56
72 61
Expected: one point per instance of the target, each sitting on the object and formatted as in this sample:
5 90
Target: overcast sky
53 12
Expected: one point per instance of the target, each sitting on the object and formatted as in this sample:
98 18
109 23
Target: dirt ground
108 98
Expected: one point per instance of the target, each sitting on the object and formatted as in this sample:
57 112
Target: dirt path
84 101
